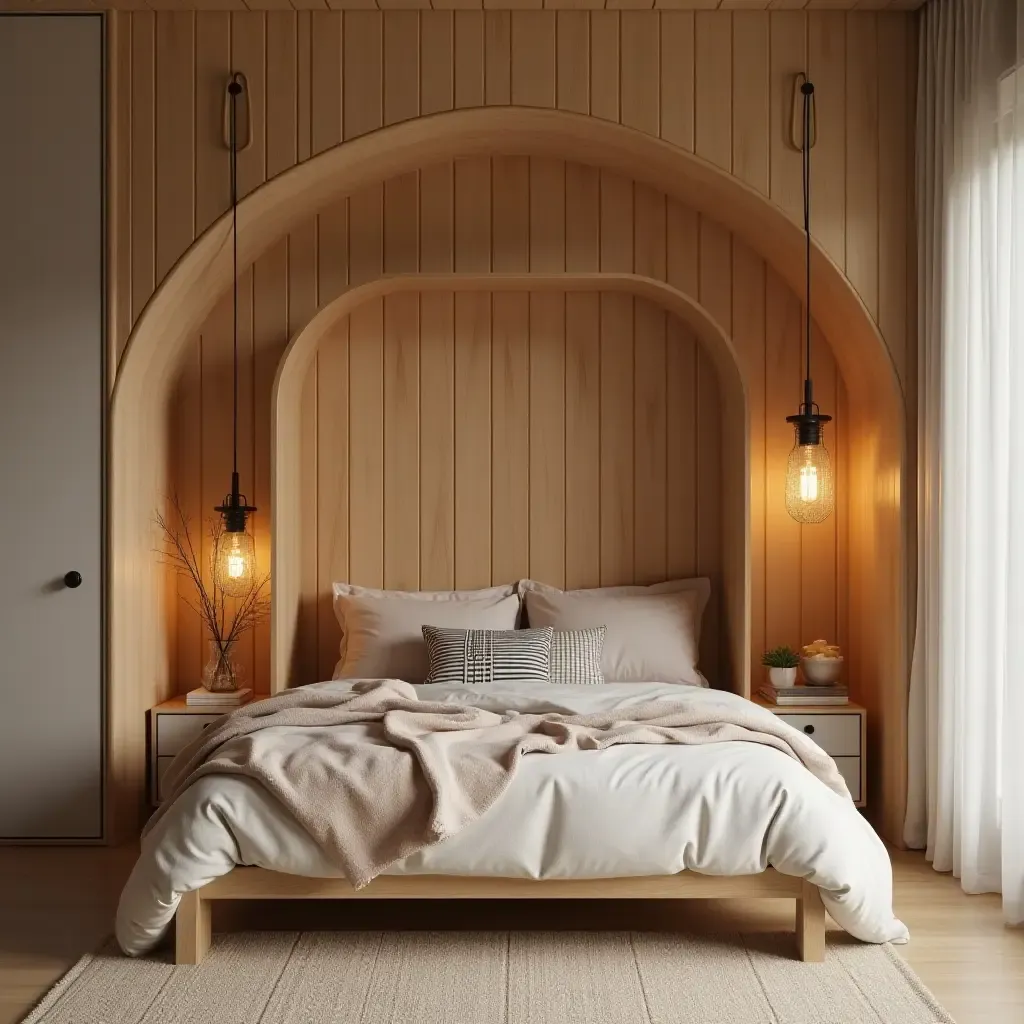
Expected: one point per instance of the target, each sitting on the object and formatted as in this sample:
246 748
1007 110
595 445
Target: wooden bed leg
810 923
193 927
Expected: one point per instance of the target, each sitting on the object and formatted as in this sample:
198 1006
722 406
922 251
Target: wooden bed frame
193 921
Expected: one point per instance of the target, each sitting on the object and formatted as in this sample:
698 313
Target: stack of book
797 696
207 699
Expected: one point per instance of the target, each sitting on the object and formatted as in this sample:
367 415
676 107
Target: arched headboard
300 596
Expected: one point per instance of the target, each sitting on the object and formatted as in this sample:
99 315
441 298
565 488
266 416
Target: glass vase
221 674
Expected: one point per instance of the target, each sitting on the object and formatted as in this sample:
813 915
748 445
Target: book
834 690
807 697
201 698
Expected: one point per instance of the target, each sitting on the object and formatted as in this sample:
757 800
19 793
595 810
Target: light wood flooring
56 904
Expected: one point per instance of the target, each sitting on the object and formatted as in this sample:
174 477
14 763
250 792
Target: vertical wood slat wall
527 435
716 83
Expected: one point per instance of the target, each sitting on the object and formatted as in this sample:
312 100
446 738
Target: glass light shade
234 562
810 484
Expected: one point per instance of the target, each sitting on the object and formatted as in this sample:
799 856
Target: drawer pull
809 729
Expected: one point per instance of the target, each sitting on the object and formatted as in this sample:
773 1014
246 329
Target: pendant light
810 484
234 559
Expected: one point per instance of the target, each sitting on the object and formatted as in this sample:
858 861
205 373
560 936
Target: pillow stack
608 634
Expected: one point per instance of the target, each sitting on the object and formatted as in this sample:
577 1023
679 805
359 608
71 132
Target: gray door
51 426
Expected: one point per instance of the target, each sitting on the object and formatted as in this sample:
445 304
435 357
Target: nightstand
840 730
172 725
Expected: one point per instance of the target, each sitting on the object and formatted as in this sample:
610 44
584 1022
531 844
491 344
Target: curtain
966 715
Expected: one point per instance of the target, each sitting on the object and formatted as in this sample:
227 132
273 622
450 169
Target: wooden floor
56 904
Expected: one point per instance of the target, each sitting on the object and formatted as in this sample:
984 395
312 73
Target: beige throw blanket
375 774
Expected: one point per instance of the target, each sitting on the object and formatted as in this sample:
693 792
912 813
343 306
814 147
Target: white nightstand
841 731
172 725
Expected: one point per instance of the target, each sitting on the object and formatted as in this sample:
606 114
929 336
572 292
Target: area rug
497 978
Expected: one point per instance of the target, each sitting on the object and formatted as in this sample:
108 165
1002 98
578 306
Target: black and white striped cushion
576 656
478 656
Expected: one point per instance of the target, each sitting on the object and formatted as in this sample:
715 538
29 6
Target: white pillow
381 630
653 633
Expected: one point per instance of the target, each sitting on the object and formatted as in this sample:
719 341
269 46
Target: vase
781 677
221 674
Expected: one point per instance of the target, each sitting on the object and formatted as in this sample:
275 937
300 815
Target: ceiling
266 5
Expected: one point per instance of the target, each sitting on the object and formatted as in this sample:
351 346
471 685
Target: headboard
440 433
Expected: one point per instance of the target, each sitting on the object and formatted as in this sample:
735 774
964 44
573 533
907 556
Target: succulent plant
780 657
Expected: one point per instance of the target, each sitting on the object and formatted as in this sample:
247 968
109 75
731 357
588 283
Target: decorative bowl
821 671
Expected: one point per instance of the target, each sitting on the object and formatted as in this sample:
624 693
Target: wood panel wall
632 391
715 83
464 439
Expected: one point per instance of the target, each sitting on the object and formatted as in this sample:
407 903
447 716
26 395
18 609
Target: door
51 426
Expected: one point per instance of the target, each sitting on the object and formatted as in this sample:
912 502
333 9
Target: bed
726 819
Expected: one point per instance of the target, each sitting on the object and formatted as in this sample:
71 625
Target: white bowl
821 671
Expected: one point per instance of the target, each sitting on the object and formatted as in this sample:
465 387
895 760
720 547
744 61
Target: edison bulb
234 564
810 485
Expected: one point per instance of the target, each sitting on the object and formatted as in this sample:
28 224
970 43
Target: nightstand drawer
173 732
849 768
838 735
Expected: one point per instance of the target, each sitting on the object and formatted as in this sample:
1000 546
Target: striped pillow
478 656
576 656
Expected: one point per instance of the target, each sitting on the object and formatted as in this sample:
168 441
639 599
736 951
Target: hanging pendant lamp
234 559
810 483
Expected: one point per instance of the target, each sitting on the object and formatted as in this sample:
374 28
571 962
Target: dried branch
225 619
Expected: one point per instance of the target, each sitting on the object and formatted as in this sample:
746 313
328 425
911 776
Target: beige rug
497 978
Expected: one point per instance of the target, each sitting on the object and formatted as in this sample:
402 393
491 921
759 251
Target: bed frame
193 922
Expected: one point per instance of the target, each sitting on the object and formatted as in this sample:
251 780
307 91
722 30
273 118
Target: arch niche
138 666
288 524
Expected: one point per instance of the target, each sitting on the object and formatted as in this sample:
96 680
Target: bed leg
810 923
193 927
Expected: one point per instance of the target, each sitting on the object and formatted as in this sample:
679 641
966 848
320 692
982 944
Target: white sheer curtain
966 786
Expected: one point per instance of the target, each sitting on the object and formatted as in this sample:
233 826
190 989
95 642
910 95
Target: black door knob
72 579
809 729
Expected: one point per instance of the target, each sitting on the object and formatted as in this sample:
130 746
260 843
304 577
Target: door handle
73 579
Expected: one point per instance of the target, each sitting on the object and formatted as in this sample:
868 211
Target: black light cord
809 420
807 89
233 90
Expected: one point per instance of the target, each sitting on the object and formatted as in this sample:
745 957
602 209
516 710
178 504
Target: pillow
381 634
478 656
576 656
653 633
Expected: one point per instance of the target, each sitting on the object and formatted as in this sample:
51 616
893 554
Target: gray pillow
653 632
380 629
480 656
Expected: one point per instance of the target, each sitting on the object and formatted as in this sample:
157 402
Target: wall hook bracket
244 126
796 117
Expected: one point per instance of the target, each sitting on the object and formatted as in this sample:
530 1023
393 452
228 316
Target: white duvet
719 809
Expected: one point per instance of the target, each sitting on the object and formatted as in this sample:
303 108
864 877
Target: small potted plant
781 663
